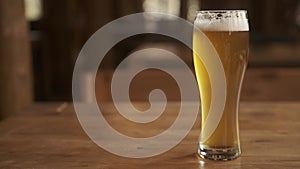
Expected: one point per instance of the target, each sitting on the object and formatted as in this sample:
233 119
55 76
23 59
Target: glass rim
217 14
222 11
234 20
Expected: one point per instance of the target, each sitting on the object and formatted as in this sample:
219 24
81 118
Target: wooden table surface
49 135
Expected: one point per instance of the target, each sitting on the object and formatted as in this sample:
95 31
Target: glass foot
219 153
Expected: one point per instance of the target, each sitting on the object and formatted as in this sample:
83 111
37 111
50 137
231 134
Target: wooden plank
15 61
67 25
271 84
275 55
49 136
260 84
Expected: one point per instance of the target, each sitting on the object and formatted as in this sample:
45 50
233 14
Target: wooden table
48 135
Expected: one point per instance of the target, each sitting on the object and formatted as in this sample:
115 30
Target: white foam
232 20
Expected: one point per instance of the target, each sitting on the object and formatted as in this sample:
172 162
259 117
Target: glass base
219 153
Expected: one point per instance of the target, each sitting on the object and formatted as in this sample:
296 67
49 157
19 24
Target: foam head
227 20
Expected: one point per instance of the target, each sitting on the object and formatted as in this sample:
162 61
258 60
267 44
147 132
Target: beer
228 33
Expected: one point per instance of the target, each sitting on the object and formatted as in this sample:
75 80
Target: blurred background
41 39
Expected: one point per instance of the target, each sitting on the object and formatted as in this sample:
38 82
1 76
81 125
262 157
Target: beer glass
228 32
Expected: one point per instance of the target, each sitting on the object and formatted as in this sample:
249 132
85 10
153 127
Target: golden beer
230 37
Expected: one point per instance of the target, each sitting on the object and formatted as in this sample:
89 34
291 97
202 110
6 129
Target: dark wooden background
66 25
41 70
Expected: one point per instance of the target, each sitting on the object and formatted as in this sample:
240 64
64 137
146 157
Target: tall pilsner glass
228 31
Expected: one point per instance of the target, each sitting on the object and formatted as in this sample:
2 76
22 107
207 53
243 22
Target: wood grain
271 84
50 136
260 84
15 62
